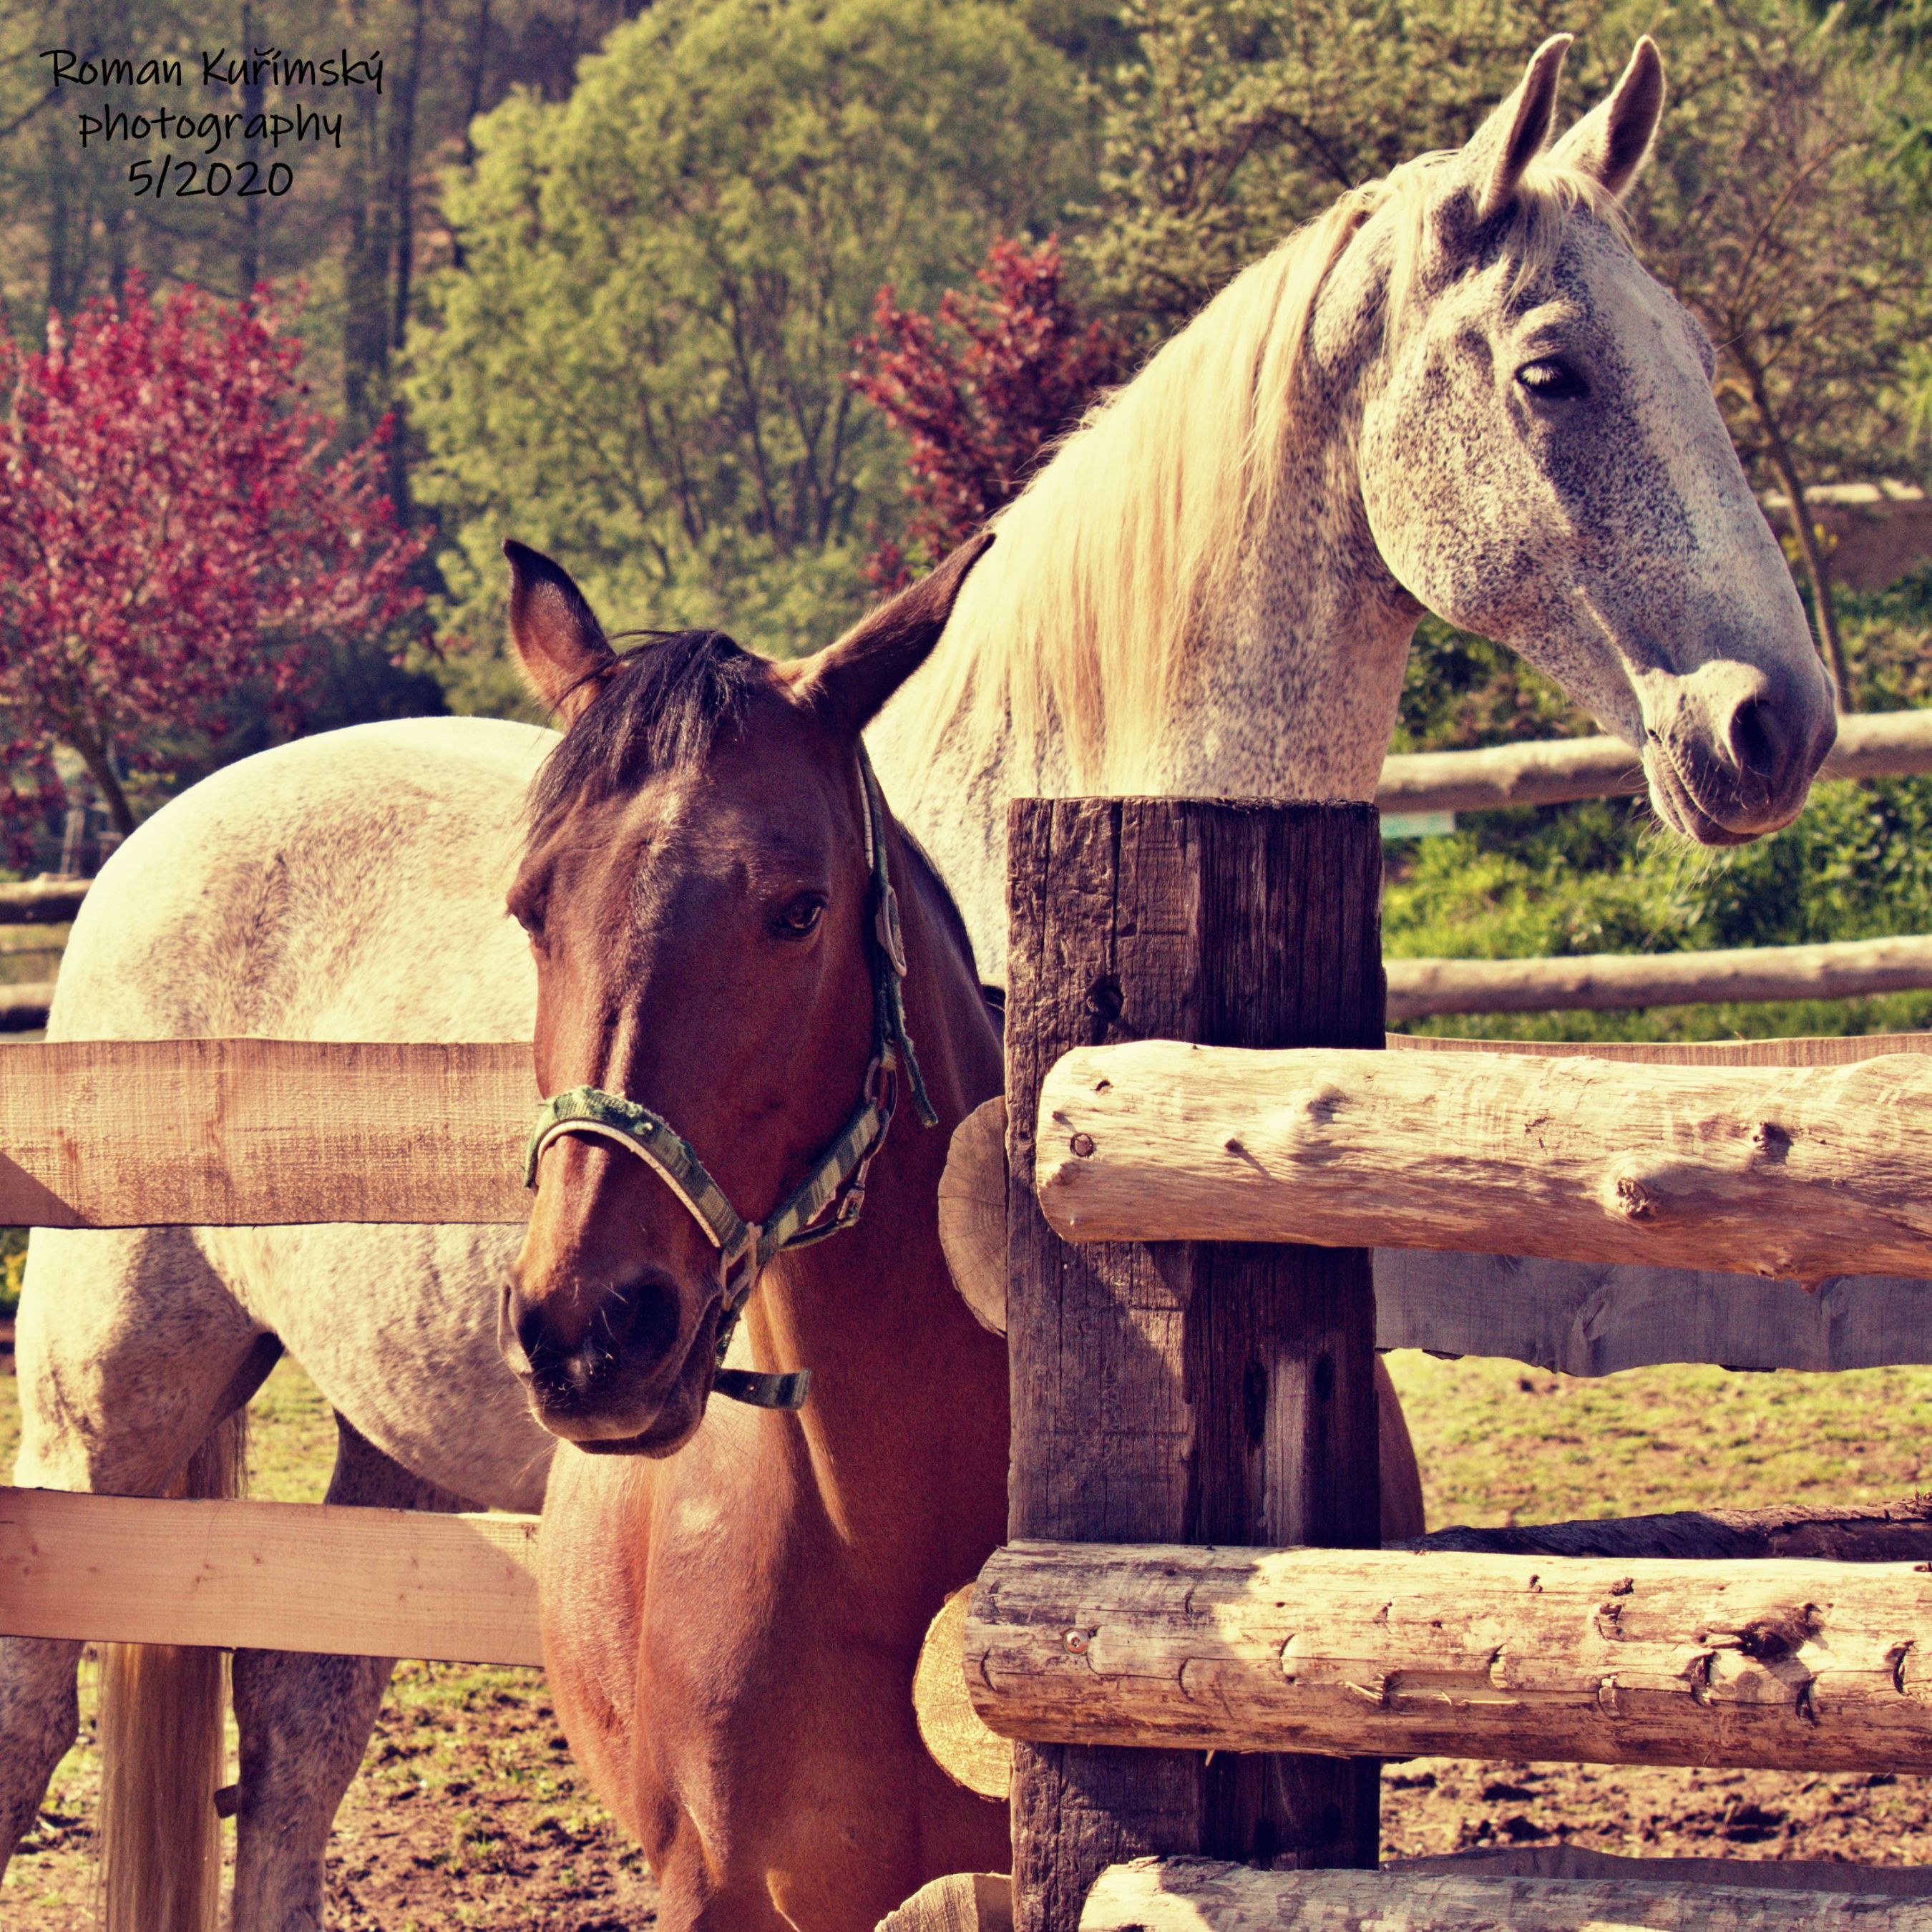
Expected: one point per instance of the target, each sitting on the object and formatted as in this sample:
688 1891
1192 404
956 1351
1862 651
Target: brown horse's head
698 897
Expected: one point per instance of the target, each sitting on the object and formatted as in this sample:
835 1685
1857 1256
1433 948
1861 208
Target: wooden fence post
1186 1393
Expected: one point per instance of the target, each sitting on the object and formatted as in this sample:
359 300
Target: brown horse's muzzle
611 1364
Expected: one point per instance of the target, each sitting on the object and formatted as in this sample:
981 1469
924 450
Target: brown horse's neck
906 1424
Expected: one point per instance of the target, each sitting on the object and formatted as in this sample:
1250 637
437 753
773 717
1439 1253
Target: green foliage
1601 876
12 1261
1243 118
640 363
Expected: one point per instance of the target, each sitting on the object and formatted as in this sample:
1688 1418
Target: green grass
1502 1444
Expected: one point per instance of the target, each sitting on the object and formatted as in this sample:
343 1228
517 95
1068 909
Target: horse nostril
1757 741
646 1316
629 1325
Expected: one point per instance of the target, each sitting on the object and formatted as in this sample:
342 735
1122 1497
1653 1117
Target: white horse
1457 391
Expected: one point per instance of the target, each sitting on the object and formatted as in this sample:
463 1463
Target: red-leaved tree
980 391
175 541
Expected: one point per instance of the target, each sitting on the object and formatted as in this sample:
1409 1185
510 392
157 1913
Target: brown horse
730 1631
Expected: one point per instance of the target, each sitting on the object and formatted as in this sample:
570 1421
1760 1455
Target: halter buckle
891 941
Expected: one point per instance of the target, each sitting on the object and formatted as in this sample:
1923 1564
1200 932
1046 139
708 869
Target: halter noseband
830 1197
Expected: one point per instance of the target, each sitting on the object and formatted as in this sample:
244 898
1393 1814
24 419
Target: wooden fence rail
257 1132
1201 1895
1788 1664
42 901
1617 982
262 1576
1894 744
1797 1173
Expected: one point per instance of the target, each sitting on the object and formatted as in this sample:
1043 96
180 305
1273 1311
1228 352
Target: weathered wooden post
1180 1392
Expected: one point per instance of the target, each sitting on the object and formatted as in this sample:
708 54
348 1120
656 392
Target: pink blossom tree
176 542
980 392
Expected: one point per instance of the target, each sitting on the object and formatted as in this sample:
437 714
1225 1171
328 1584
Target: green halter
837 1181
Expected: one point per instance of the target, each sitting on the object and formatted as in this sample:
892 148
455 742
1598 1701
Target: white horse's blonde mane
1085 612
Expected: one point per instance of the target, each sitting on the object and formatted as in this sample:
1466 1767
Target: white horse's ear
1611 140
1499 151
847 682
560 645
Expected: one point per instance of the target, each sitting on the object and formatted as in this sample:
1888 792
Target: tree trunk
1817 566
401 187
248 265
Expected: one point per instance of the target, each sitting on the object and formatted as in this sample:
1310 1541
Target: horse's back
348 886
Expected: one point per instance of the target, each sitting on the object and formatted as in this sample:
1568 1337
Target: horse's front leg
305 1722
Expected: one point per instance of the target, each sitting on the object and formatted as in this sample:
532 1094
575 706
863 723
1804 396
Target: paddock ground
468 1812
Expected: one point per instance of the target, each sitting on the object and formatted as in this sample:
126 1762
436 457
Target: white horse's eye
1550 381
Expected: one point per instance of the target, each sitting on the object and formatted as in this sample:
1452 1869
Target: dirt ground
468 1812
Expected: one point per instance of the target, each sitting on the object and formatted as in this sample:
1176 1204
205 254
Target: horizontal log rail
1204 1895
1800 1173
1618 982
261 1576
42 901
1894 744
1791 1665
24 1008
258 1132
1567 1861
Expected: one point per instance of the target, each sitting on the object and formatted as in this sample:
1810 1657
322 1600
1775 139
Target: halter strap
831 1196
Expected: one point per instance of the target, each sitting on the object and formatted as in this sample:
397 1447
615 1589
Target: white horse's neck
1288 675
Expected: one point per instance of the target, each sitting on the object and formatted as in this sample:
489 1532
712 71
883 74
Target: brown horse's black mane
660 708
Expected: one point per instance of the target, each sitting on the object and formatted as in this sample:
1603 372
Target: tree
980 392
175 543
1240 119
1778 210
641 362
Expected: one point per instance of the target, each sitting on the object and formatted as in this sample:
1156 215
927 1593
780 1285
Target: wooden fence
1192 1369
1192 1635
1890 744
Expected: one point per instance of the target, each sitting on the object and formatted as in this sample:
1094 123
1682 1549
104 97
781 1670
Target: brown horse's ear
1611 140
560 643
1502 147
847 682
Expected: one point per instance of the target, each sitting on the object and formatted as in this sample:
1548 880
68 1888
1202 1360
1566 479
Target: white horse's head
1542 461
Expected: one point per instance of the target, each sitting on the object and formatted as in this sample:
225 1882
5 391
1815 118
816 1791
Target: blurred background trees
641 361
613 275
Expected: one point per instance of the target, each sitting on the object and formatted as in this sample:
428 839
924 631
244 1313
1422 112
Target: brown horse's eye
799 919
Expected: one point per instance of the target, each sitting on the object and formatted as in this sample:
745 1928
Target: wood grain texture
1774 1874
1793 1665
973 1212
254 1132
959 1902
1554 771
1199 1895
259 1575
1617 982
1801 1173
1200 1393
